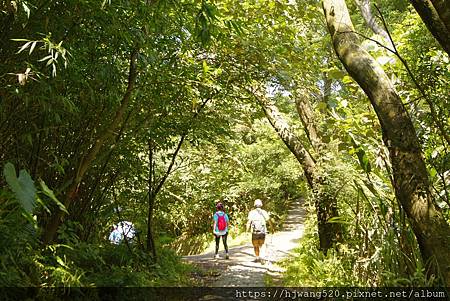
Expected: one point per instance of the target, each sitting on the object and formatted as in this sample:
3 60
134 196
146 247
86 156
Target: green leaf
369 185
24 46
336 74
205 67
32 46
363 160
26 9
45 58
40 202
23 187
61 262
209 11
29 138
104 3
237 27
48 192
347 79
433 173
339 220
361 153
322 106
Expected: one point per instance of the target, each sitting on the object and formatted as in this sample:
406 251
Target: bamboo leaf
26 9
45 58
32 46
24 46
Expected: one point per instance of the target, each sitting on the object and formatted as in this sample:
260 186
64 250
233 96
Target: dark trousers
224 240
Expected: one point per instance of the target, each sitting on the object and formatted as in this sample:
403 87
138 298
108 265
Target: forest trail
240 270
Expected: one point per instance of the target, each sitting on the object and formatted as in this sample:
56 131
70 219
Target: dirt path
240 270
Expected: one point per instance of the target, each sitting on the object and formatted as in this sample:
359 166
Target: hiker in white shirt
257 219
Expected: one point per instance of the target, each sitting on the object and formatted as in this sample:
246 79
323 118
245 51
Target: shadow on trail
241 270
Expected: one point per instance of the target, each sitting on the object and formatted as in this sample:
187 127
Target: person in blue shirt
220 229
116 236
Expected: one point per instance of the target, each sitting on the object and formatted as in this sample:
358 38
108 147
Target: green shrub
309 267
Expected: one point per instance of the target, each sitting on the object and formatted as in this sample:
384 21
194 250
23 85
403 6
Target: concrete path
241 270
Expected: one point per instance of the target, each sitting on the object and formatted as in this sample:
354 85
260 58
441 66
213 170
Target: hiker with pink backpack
220 229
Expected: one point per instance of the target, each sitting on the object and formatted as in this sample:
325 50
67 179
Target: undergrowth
24 262
345 266
310 268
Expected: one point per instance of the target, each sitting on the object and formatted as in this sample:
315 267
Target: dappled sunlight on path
241 270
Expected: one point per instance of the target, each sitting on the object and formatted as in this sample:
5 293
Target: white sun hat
258 203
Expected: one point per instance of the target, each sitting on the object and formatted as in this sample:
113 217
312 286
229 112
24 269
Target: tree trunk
411 184
306 114
150 237
443 10
325 201
151 202
369 19
155 186
327 86
52 226
436 16
292 142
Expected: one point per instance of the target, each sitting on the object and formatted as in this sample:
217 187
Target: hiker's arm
214 227
247 227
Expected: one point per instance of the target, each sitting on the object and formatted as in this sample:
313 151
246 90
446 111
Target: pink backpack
221 222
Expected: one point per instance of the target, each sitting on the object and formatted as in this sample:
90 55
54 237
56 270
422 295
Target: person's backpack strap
260 213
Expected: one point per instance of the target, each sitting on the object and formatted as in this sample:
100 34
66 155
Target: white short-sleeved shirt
258 214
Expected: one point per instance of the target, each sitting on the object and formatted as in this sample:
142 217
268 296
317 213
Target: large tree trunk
289 138
436 16
325 200
52 226
411 184
306 114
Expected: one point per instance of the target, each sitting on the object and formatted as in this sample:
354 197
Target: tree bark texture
49 233
306 114
292 142
436 16
411 183
325 200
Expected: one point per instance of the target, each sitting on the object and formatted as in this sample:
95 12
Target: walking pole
271 248
268 249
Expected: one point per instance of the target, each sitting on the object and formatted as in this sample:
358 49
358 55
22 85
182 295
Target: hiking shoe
227 256
216 256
